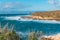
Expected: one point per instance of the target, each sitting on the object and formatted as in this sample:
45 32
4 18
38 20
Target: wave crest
19 18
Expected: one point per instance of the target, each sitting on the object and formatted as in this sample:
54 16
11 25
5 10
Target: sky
29 5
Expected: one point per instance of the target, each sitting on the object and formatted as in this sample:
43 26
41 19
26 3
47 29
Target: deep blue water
33 26
26 26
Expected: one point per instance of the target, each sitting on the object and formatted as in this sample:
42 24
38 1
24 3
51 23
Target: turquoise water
23 27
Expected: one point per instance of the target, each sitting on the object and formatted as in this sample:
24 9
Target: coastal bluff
49 15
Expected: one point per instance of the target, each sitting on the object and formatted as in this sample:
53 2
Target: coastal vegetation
6 34
35 35
10 34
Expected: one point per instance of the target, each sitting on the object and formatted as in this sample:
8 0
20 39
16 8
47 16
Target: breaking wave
19 18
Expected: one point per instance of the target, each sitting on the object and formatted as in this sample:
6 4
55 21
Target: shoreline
41 18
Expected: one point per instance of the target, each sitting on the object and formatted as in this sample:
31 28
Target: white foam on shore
48 21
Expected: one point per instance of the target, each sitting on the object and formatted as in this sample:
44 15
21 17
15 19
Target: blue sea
24 26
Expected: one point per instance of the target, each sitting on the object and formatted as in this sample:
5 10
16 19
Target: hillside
48 14
51 15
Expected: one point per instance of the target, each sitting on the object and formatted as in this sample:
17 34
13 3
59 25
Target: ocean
24 26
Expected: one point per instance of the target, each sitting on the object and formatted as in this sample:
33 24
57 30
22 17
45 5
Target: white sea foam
12 18
48 21
19 18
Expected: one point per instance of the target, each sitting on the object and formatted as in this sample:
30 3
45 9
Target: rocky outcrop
53 37
51 15
40 18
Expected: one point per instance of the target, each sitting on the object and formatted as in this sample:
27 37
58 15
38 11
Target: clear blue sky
29 5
